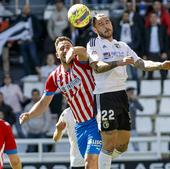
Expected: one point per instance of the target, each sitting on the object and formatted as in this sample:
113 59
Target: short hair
35 90
62 38
95 18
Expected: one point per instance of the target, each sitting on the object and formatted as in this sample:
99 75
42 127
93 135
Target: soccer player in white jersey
108 58
67 122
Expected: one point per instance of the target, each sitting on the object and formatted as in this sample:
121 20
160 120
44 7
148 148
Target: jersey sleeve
92 51
10 144
131 53
51 86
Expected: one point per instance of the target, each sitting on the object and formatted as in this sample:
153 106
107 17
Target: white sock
116 154
105 159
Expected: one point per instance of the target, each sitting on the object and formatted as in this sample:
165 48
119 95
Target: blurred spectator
13 96
7 111
142 8
48 68
156 43
138 21
134 105
27 45
163 16
56 25
39 126
3 11
129 33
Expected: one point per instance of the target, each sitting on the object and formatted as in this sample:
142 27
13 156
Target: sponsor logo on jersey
74 83
107 55
94 142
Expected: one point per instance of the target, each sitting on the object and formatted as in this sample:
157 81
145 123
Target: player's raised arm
80 51
148 65
37 109
101 66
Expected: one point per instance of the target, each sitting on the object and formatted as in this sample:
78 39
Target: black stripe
92 42
18 32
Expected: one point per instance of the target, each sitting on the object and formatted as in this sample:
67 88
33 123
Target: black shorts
112 111
77 167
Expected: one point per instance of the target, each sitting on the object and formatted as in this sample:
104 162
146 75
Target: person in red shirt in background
8 146
162 13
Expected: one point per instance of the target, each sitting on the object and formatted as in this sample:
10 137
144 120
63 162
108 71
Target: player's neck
110 39
66 66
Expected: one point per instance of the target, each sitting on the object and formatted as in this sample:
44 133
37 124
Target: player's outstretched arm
60 126
148 65
100 66
37 109
80 51
15 161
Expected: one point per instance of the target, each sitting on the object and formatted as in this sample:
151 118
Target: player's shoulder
92 42
4 123
66 112
119 44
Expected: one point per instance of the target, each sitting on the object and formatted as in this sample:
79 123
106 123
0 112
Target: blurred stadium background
28 60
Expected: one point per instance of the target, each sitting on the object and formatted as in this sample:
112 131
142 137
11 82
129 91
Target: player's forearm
147 65
39 107
106 66
57 135
81 52
15 162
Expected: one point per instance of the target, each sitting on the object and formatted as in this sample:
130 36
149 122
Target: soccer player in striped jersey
108 59
67 122
8 146
75 81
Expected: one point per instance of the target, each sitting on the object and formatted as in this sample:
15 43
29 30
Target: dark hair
62 38
35 90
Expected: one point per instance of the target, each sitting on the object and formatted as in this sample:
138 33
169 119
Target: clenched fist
166 65
24 117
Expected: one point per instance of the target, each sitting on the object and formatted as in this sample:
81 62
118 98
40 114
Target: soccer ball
79 15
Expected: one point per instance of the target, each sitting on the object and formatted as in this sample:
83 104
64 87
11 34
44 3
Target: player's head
62 45
103 26
35 95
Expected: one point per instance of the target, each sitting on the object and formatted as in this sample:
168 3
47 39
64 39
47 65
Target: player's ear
57 55
95 30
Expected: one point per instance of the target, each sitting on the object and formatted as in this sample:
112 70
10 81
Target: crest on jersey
117 45
105 124
104 46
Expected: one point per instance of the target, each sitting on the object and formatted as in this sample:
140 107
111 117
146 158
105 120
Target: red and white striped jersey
77 85
7 141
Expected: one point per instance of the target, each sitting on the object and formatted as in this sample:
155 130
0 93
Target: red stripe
74 112
86 88
80 109
88 77
85 103
92 86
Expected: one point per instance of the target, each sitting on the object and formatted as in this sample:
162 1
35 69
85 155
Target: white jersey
76 159
100 49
